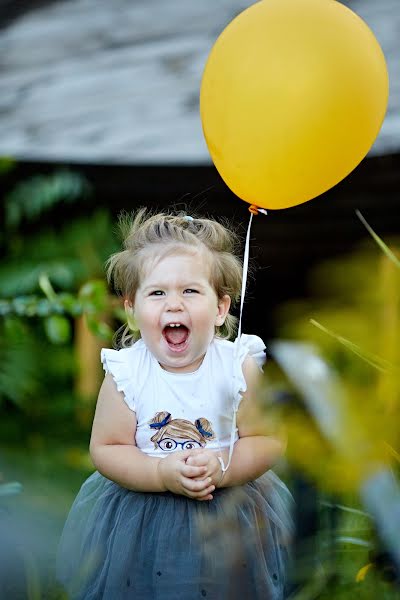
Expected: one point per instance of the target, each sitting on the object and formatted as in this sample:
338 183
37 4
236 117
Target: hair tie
187 218
161 423
201 430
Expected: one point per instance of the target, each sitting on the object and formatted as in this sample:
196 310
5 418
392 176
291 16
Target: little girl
182 505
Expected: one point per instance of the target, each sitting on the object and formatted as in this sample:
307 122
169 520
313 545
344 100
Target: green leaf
24 306
30 199
71 304
47 288
99 328
378 240
43 307
19 361
6 164
372 359
19 277
5 307
10 489
93 295
58 329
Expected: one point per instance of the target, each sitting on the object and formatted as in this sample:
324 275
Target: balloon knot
256 209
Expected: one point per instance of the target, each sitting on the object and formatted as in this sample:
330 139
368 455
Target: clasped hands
192 473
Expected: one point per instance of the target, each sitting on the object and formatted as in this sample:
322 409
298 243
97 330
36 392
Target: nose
174 303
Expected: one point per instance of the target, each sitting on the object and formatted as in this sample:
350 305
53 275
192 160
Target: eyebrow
157 286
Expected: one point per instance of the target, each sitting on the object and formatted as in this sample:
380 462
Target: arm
116 456
255 452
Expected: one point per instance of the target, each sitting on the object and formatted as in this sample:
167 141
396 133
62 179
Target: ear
224 304
130 316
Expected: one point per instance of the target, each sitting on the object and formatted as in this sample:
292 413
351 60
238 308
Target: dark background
285 244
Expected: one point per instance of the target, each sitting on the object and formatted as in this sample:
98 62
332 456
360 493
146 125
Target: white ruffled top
193 409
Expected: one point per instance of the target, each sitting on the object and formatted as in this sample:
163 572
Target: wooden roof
117 82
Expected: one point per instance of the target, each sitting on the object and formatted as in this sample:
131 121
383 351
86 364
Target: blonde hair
162 232
201 431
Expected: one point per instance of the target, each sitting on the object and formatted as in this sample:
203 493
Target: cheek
145 316
207 314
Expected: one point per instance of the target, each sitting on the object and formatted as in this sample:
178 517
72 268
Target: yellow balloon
292 98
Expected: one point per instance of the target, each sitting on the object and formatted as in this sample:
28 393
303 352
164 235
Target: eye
156 293
167 444
189 445
191 291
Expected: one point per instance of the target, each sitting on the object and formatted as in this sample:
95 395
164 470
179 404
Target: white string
237 343
244 277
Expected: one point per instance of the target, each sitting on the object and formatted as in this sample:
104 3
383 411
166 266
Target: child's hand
208 459
187 480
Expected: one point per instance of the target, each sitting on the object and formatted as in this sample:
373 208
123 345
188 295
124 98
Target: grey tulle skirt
119 545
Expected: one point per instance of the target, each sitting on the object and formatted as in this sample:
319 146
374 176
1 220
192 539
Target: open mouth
176 335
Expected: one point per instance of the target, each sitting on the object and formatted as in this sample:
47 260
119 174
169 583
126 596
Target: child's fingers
195 487
187 454
209 497
192 454
206 494
197 460
194 471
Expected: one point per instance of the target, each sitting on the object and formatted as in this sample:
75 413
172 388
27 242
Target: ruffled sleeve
254 346
246 345
116 362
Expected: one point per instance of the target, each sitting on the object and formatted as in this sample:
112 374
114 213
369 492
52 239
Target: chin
182 364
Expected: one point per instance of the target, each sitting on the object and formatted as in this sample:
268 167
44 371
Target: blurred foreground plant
353 319
339 399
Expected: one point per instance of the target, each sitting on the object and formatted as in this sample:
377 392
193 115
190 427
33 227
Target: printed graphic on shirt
180 434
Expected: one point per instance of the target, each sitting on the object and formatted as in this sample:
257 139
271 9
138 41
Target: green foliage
33 374
6 164
58 329
384 247
352 317
69 257
29 199
10 489
345 314
51 277
93 296
19 364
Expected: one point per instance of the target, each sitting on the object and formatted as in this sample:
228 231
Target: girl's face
177 309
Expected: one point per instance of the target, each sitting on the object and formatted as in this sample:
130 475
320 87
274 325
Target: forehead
179 257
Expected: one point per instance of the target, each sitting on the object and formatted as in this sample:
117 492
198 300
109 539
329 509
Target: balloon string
254 210
245 271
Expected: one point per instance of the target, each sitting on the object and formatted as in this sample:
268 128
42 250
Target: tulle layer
120 545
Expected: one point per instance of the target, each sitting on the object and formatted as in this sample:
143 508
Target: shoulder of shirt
222 348
222 343
225 347
137 347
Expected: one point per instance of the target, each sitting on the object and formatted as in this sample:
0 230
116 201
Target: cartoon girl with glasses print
170 431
